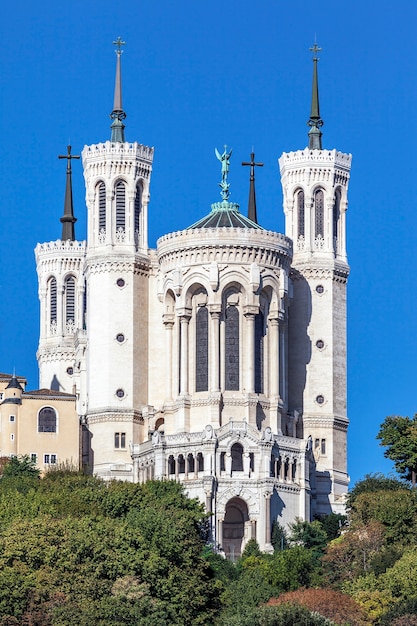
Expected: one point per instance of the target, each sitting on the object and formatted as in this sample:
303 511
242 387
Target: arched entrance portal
234 528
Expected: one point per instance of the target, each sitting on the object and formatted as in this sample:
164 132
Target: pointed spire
252 196
118 115
68 220
315 122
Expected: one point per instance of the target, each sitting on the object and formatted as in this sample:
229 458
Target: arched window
259 353
138 207
47 420
319 213
171 465
231 365
336 216
200 462
120 191
300 213
101 196
181 464
201 349
190 462
70 300
52 301
237 457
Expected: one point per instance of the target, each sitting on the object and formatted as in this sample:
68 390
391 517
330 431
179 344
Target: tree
20 467
399 435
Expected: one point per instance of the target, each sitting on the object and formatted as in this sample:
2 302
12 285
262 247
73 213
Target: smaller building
42 424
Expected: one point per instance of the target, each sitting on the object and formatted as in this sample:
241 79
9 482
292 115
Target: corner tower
315 183
117 176
60 268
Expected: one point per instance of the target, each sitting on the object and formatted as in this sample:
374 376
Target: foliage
334 605
74 549
401 614
399 435
394 510
308 534
279 537
352 554
332 524
285 615
20 466
372 483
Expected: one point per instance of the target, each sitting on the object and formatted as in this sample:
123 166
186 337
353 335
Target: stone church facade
217 359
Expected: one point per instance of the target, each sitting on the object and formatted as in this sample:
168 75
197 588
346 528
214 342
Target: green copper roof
225 214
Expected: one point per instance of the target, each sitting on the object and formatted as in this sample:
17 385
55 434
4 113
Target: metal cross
252 165
68 156
119 43
314 50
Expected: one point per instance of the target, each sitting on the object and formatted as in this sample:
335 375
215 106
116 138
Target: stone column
267 496
250 352
44 317
215 349
169 324
274 357
220 533
253 528
184 320
60 322
282 360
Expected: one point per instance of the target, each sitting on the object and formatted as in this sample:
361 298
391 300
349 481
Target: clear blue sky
197 75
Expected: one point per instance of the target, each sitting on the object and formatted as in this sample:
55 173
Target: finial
118 115
68 220
315 122
252 196
225 161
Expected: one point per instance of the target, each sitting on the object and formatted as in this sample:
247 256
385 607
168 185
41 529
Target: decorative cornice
315 269
242 246
335 422
102 264
111 415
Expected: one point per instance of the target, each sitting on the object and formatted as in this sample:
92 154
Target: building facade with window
41 424
217 359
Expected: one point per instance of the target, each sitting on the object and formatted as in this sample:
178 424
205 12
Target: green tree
399 435
20 467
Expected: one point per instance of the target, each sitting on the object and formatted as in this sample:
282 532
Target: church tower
117 176
60 268
315 183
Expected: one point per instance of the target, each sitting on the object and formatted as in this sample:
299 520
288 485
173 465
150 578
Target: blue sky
197 75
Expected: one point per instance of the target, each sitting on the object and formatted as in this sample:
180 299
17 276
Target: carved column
250 351
215 349
274 357
60 322
169 324
283 383
44 313
267 496
184 322
220 533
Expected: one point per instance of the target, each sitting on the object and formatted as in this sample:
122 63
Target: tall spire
118 115
68 220
252 196
315 122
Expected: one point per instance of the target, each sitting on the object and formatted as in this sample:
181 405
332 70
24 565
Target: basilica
217 359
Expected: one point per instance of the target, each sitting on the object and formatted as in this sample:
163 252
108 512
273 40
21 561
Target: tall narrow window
336 216
300 213
319 213
201 349
70 300
237 457
102 207
259 353
138 207
52 301
120 205
231 365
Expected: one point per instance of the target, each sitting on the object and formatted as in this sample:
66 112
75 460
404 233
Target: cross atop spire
68 220
315 122
118 115
252 196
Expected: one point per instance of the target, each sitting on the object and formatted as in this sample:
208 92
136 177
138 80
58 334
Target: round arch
234 525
